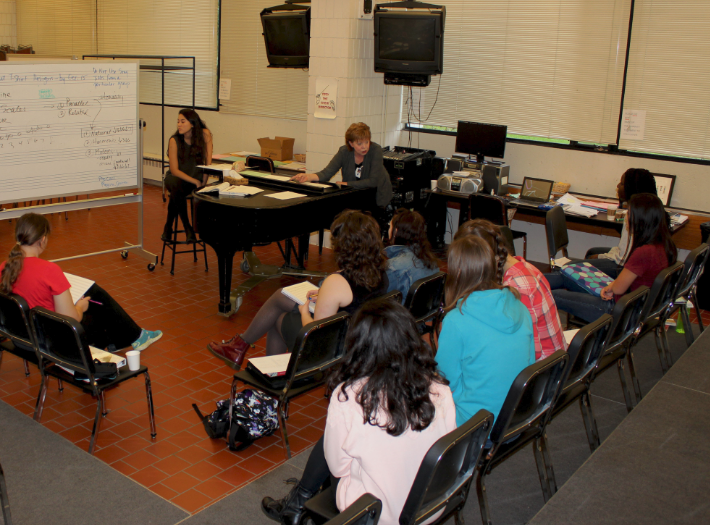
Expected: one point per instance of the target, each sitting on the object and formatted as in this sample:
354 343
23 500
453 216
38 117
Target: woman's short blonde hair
355 132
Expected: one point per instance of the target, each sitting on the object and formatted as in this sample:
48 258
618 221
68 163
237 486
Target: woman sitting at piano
189 147
360 257
42 283
361 164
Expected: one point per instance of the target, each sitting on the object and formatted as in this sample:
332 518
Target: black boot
288 510
167 234
190 236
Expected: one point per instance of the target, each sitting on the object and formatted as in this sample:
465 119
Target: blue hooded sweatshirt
482 348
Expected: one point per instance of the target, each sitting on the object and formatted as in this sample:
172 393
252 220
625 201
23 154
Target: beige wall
8 23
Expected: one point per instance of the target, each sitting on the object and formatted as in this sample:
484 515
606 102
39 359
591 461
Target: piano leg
224 264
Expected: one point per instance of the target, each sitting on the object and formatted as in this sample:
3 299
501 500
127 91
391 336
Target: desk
654 467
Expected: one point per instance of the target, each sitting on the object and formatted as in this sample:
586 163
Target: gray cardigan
374 174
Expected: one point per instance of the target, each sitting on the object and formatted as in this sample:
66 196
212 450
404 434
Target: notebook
297 292
534 192
587 276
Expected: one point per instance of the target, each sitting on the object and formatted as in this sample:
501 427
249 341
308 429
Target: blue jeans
575 300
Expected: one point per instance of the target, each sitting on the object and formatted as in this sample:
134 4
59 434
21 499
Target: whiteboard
67 128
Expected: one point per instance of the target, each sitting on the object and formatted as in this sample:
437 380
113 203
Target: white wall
8 23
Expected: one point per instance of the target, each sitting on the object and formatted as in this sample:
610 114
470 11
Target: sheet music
79 286
240 191
285 195
315 184
215 187
280 178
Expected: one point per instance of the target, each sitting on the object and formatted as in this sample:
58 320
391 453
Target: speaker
454 165
457 184
438 166
495 178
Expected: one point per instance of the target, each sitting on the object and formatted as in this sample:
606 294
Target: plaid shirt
536 296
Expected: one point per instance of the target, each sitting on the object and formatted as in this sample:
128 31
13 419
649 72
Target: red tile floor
182 465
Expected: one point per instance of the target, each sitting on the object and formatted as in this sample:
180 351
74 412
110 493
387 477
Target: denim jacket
403 268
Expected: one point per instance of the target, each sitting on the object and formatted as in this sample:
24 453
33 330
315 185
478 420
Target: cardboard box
279 148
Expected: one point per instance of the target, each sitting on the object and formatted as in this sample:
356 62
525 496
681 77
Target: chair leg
4 500
634 377
24 362
685 315
283 416
151 412
204 251
483 498
97 422
525 247
694 299
552 482
321 235
660 350
542 470
590 422
624 386
60 385
40 399
174 246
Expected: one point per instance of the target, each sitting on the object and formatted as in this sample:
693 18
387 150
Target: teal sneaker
146 339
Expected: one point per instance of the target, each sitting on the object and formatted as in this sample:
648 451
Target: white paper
315 184
562 261
568 198
633 124
217 167
326 97
79 286
225 88
107 357
244 154
272 365
240 191
293 166
285 195
569 335
216 187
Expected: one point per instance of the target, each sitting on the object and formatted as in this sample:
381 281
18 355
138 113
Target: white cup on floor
134 360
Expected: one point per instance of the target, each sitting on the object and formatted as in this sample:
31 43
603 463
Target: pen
95 302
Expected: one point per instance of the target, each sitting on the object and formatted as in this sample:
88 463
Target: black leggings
267 321
316 471
180 190
107 323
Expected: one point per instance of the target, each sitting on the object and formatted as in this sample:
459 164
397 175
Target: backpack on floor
255 415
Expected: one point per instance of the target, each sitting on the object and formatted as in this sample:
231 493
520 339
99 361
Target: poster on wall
633 124
326 97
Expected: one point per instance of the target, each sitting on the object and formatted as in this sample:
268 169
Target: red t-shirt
39 281
646 262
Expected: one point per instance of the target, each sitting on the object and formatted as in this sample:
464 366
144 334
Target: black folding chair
556 233
61 345
319 346
365 511
494 209
522 420
687 292
626 318
442 483
4 500
15 325
655 313
585 351
425 301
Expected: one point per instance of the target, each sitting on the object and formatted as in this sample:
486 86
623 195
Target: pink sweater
368 459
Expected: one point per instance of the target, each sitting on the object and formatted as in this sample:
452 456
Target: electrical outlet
366 9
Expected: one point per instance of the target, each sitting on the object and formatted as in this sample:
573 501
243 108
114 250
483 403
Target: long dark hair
384 348
358 249
409 229
648 224
637 180
490 233
472 268
30 228
198 146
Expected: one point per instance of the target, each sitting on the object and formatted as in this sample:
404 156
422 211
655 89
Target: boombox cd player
459 182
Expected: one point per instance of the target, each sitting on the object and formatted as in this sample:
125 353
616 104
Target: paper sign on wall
633 124
326 97
225 88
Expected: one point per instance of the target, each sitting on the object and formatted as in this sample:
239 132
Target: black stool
173 243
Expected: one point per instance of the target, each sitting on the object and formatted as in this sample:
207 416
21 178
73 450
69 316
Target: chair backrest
663 291
694 266
626 318
556 231
319 345
527 407
394 295
15 321
365 510
488 207
263 163
61 340
446 472
426 296
584 351
508 236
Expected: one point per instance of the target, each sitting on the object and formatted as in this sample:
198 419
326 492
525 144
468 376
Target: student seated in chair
360 256
487 335
409 256
42 283
532 286
388 407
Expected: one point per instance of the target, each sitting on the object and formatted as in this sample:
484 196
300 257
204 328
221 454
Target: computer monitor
287 37
481 140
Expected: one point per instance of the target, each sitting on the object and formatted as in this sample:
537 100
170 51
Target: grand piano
237 224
